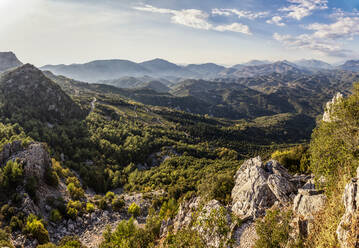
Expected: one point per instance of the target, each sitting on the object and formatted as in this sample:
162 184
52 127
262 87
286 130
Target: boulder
258 186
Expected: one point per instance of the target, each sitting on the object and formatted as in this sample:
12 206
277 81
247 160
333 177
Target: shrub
185 238
102 204
90 207
295 159
127 235
74 208
117 203
36 228
168 209
70 242
109 196
16 223
13 174
55 216
274 229
217 187
5 239
76 193
134 209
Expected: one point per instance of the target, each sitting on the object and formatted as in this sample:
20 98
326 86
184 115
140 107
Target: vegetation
36 228
274 229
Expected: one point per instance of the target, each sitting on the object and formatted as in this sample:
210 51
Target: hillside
26 91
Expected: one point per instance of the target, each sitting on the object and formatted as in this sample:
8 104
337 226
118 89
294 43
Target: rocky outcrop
36 160
347 233
258 186
327 116
306 204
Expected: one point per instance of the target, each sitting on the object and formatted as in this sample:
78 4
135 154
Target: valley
122 154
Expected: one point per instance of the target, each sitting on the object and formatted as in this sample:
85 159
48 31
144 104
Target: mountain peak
27 91
8 60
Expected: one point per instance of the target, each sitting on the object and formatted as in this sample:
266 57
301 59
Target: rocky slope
258 187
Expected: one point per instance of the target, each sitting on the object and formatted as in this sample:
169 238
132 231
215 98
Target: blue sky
186 31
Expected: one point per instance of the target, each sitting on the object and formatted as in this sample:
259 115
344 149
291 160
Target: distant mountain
313 63
257 62
350 65
27 92
283 67
156 86
8 60
98 70
161 67
209 70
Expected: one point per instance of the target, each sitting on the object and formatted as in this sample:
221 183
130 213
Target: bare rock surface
258 186
351 200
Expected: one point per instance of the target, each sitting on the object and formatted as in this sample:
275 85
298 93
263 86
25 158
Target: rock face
258 186
8 60
328 109
346 234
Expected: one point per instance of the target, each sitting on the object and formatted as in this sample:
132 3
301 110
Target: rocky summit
8 60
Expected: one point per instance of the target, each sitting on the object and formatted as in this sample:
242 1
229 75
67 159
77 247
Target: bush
5 239
76 193
134 209
109 196
36 228
74 208
217 187
55 216
118 203
185 238
168 209
274 229
16 223
102 204
295 159
90 207
12 174
127 235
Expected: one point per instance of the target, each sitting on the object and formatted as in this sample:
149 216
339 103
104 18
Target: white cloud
189 17
277 20
195 19
234 27
240 13
302 8
306 41
343 28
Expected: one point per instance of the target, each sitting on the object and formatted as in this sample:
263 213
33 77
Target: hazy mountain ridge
116 70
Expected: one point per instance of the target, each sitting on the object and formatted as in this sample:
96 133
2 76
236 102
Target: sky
226 32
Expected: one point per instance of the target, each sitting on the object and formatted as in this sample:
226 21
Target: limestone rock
258 186
329 107
350 199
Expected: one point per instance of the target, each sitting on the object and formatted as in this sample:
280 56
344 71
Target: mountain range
112 70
